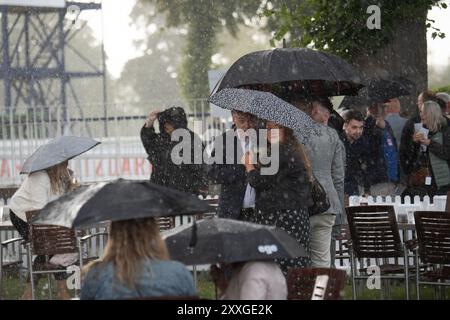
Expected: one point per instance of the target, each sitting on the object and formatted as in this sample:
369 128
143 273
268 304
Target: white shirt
250 193
34 193
257 280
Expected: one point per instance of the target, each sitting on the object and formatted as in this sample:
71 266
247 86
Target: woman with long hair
135 264
431 174
282 199
38 189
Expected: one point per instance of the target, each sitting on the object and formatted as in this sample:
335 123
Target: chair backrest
49 239
166 223
301 283
374 231
433 235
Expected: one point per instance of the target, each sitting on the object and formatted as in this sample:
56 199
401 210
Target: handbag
321 203
320 200
417 177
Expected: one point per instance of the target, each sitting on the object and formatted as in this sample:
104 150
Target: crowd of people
380 153
389 155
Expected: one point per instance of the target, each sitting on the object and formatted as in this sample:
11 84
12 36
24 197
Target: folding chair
433 248
49 240
374 234
301 283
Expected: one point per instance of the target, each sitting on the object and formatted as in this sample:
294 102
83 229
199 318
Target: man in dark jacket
237 197
356 151
188 177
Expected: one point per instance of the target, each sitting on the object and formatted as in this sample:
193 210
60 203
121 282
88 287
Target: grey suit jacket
327 155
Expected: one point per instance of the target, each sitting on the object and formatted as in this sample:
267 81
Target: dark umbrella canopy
267 106
116 201
57 151
381 90
293 70
226 240
378 90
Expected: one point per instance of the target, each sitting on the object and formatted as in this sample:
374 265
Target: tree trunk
405 56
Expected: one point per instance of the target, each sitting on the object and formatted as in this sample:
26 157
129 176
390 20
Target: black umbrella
268 107
285 71
116 201
381 90
226 241
378 90
57 151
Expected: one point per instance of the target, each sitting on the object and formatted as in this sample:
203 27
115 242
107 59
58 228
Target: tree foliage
340 26
204 19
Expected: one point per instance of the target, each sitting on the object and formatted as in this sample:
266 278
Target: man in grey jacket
327 155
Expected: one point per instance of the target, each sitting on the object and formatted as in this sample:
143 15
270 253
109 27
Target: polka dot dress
296 224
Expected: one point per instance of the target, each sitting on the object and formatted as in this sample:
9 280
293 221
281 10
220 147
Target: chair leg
30 271
406 265
1 270
49 284
417 276
352 269
20 258
80 253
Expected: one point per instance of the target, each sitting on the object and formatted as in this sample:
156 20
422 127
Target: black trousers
20 225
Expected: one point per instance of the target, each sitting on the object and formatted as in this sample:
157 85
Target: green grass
13 288
206 290
205 286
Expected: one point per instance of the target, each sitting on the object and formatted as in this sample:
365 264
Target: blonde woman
432 153
136 264
36 191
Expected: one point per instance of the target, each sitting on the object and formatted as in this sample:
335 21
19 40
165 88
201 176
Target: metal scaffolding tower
35 37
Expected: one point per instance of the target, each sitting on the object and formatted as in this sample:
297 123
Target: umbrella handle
193 241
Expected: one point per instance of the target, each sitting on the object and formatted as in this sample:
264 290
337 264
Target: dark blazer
231 177
289 188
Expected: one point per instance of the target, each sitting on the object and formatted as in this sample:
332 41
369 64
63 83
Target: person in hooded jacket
187 176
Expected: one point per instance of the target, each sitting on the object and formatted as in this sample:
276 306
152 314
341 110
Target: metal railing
120 154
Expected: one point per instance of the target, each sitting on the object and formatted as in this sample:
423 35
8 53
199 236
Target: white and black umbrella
219 240
118 200
56 152
267 106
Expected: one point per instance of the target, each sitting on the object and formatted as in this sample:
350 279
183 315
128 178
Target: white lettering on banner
87 169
